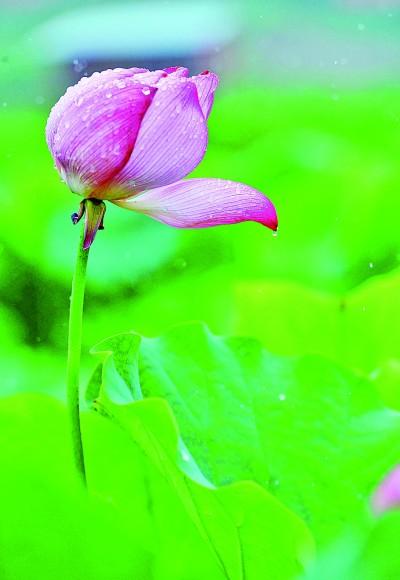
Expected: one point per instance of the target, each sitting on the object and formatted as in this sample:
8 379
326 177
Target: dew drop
370 265
79 64
146 91
108 95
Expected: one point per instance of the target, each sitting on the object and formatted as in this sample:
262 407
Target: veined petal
206 83
85 89
201 203
93 128
171 141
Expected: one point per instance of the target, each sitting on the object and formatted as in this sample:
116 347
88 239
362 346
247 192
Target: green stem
74 353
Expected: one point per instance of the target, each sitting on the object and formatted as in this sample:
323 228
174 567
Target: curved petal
206 83
92 129
171 142
202 203
85 86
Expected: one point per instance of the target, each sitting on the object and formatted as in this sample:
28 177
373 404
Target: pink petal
177 71
171 142
150 77
206 83
387 495
92 129
201 203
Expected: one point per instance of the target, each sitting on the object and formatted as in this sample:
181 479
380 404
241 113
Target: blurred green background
308 111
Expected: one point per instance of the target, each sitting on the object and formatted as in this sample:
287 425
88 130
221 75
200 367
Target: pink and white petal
86 87
202 203
171 142
95 129
177 71
206 83
150 77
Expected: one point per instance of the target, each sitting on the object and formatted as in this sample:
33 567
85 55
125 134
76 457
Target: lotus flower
387 495
130 136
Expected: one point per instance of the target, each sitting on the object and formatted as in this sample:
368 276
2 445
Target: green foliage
143 503
372 555
359 329
245 414
50 528
240 528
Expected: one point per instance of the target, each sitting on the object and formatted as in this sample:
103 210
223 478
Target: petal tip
270 218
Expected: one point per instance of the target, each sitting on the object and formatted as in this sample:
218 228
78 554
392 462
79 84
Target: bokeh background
308 111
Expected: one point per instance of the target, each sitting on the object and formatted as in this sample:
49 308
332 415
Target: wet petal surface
201 203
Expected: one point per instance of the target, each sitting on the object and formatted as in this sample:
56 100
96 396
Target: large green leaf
143 517
149 513
302 427
241 530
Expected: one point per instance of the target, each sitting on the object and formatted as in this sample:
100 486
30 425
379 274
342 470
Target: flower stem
74 353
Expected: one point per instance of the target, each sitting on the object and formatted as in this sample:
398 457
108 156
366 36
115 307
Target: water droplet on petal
108 95
146 91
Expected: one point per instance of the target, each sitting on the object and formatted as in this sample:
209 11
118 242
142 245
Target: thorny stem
74 353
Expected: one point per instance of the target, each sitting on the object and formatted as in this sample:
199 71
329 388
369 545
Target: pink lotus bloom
130 136
387 495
